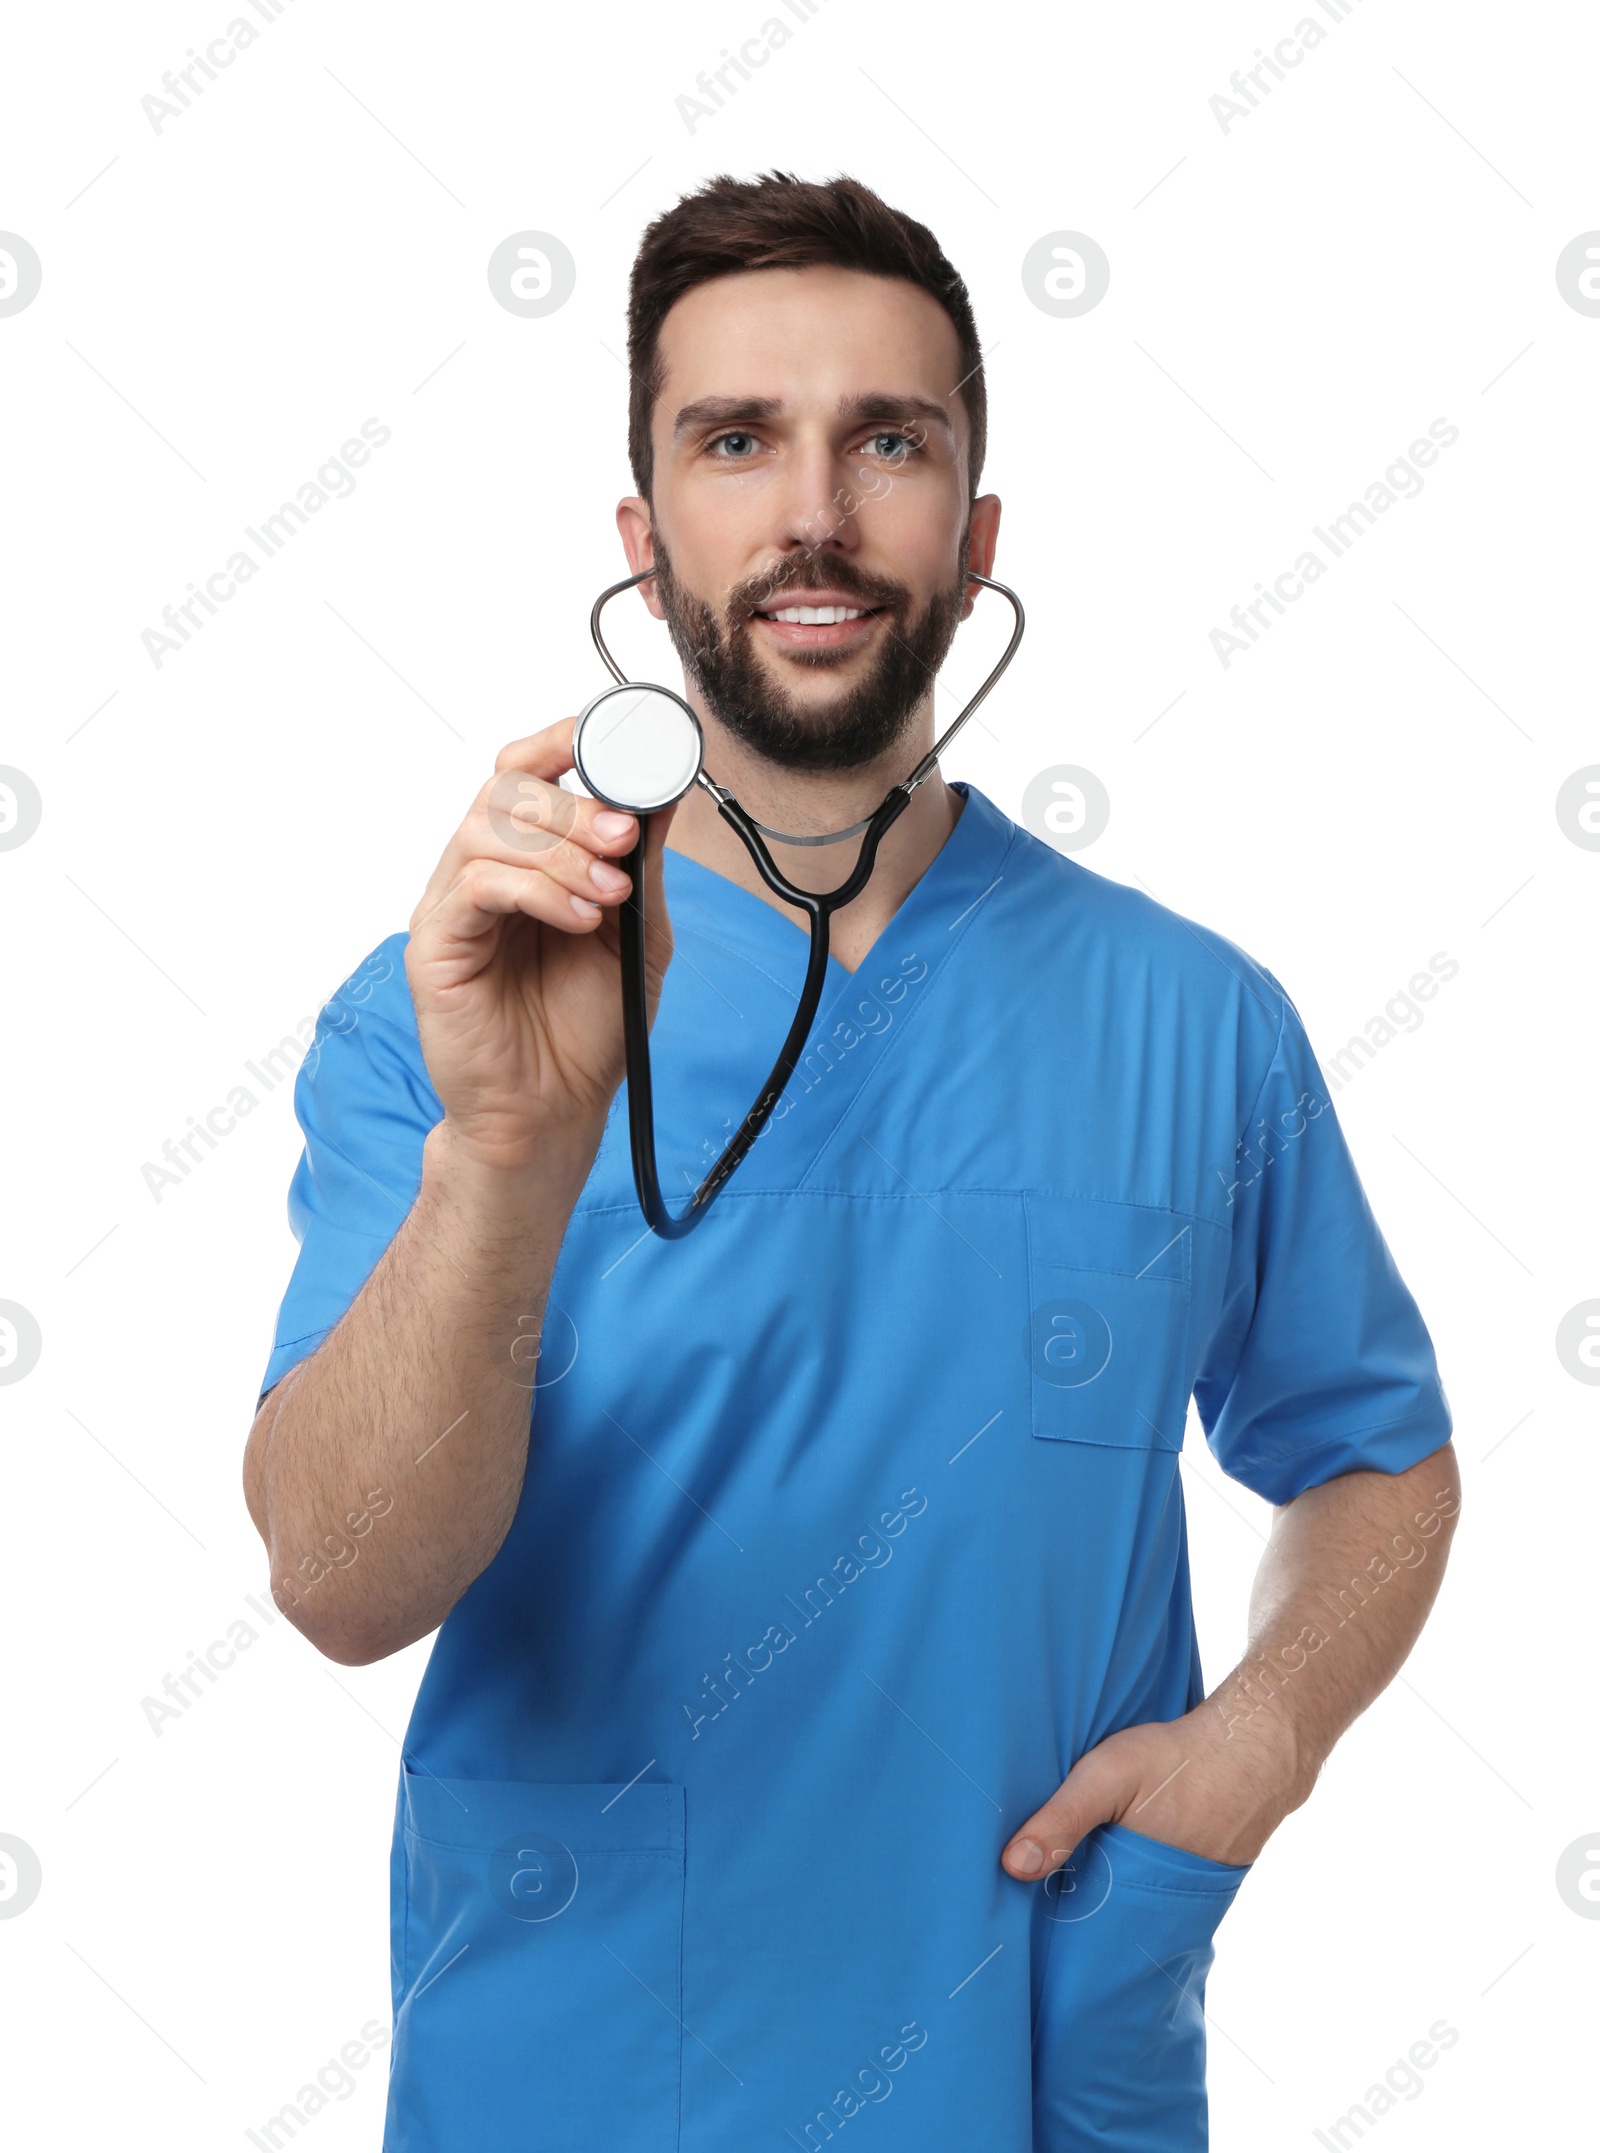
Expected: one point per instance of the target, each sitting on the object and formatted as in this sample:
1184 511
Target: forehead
807 337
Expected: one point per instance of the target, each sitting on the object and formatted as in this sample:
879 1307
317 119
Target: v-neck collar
902 976
864 1015
957 877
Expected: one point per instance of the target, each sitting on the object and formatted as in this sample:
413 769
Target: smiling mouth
818 627
818 615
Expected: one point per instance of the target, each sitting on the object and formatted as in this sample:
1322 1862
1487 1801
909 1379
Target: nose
819 499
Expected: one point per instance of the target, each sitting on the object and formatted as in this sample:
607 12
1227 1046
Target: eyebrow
878 405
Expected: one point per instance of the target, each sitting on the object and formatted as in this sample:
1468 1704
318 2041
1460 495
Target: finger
518 837
488 891
546 753
520 819
475 845
1089 1795
530 815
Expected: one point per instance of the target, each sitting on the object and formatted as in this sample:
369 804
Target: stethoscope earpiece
639 748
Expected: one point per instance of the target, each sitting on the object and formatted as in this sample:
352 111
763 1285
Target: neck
813 802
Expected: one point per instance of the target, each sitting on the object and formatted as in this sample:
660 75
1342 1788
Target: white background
226 836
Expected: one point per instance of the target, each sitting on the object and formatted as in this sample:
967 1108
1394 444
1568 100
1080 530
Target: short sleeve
365 1105
1320 1362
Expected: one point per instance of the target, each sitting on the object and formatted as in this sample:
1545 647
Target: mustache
788 581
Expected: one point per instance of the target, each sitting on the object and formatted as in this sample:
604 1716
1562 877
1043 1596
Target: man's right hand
519 1011
514 960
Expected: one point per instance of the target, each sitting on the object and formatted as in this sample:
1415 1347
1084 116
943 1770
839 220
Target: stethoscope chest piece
638 747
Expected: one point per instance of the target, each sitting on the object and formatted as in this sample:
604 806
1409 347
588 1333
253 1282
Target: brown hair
779 222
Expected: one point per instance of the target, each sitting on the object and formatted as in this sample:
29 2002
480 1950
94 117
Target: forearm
1350 1573
384 1471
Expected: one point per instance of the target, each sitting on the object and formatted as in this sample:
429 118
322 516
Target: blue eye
897 443
735 436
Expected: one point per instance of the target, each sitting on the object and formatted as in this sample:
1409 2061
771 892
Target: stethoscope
639 748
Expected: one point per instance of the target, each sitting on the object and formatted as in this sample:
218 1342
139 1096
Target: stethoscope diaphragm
637 747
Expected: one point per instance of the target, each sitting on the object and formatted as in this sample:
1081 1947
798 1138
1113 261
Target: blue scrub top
851 1521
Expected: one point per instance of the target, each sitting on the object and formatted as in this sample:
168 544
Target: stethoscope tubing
819 908
636 1020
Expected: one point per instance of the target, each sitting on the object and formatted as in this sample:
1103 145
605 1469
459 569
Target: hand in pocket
1193 1784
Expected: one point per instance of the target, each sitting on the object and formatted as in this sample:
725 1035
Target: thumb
1092 1793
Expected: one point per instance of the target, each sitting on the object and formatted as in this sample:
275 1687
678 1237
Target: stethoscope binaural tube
639 755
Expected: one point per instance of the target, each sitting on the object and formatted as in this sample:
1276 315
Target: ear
982 539
638 543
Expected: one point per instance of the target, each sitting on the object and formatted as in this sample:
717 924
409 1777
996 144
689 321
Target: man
816 1723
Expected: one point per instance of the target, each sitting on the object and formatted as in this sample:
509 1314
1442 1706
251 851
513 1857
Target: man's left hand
1350 1570
1184 1781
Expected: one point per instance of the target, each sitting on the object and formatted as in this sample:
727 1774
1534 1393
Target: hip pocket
1119 2043
540 1967
1107 1335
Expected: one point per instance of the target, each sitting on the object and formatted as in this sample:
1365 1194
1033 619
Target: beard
860 724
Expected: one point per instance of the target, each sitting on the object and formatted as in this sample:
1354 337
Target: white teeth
818 616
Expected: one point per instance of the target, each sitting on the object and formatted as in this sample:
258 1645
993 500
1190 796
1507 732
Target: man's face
811 454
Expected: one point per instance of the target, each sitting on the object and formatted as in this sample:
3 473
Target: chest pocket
1107 1331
